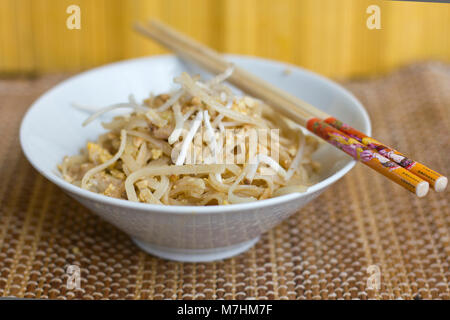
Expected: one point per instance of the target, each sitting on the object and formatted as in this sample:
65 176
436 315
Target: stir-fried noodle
199 145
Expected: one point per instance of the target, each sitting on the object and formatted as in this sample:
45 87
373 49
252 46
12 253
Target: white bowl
52 129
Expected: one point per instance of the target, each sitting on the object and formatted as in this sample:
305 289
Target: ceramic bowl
52 129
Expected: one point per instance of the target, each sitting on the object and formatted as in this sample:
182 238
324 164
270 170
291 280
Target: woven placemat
322 252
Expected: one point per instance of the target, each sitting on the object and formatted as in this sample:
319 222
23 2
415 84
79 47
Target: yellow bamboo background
327 36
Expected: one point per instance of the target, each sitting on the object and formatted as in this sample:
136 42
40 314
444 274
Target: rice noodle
164 146
261 158
162 187
211 136
232 198
168 170
155 118
194 90
188 139
218 120
90 173
221 76
298 158
211 141
208 197
131 104
194 146
179 124
171 101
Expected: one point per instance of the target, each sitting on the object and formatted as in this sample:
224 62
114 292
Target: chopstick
213 61
363 148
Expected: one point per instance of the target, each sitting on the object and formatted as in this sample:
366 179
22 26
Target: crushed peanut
195 101
137 141
251 103
97 154
142 184
109 191
117 174
156 153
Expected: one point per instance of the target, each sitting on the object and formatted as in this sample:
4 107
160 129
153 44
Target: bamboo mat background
322 252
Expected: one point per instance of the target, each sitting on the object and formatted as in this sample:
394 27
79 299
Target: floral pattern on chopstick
348 144
416 168
367 156
371 143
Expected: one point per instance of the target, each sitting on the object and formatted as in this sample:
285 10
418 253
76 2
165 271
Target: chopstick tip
422 189
440 184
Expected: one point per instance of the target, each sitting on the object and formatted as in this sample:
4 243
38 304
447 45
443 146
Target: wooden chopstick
214 62
438 181
290 106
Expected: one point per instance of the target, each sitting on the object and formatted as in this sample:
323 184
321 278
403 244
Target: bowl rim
66 186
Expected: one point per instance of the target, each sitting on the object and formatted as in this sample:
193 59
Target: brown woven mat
321 252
